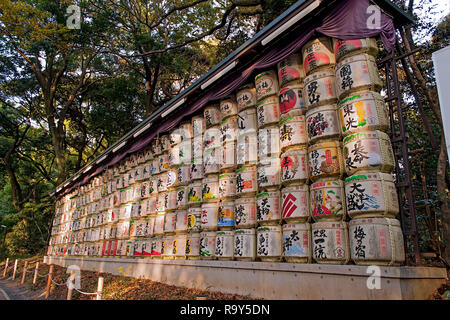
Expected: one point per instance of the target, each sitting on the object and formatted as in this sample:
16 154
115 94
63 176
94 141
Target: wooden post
6 267
24 272
36 269
15 269
100 288
49 280
69 288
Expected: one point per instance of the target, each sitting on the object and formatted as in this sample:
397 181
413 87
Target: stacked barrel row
272 172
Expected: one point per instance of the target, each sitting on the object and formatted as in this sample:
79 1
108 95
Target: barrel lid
296 226
329 225
225 233
320 74
269 228
227 175
293 118
382 221
268 100
328 183
265 73
250 231
376 134
268 194
325 144
370 176
302 187
355 58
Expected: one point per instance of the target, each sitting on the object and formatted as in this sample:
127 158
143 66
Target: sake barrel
211 115
193 246
376 241
225 215
318 54
268 111
290 69
211 138
185 151
179 246
224 245
194 219
228 107
247 149
246 96
291 100
328 200
198 125
171 178
269 243
207 245
159 223
182 197
195 193
169 221
323 123
368 151
268 142
181 221
246 122
211 160
155 166
210 188
269 174
268 208
227 185
246 183
245 212
357 73
293 132
185 130
346 48
320 89
169 247
150 226
156 247
184 174
294 167
325 160
174 137
151 204
296 242
266 84
163 160
228 156
371 194
162 202
295 204
228 129
363 111
209 216
196 170
197 147
172 199
330 242
245 244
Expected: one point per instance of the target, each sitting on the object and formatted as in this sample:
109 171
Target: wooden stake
6 267
24 272
49 280
100 288
15 269
36 269
69 288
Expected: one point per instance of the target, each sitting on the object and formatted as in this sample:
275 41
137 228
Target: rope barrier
45 275
88 293
58 284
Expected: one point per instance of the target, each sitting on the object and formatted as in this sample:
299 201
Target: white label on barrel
296 243
183 174
228 130
362 151
293 132
268 113
246 97
295 204
329 244
224 245
322 124
326 199
207 244
246 121
268 242
212 116
356 113
324 161
227 185
192 246
195 193
247 149
196 171
209 215
268 206
194 219
246 180
182 196
268 142
210 190
294 166
318 90
228 108
198 126
352 75
211 159
269 175
244 244
245 213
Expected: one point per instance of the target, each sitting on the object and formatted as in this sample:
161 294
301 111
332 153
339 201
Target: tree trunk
444 195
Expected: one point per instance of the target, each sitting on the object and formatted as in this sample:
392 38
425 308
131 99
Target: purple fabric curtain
348 20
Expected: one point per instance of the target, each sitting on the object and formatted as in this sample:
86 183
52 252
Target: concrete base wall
292 281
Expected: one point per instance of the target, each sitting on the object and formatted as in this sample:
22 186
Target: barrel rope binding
391 242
